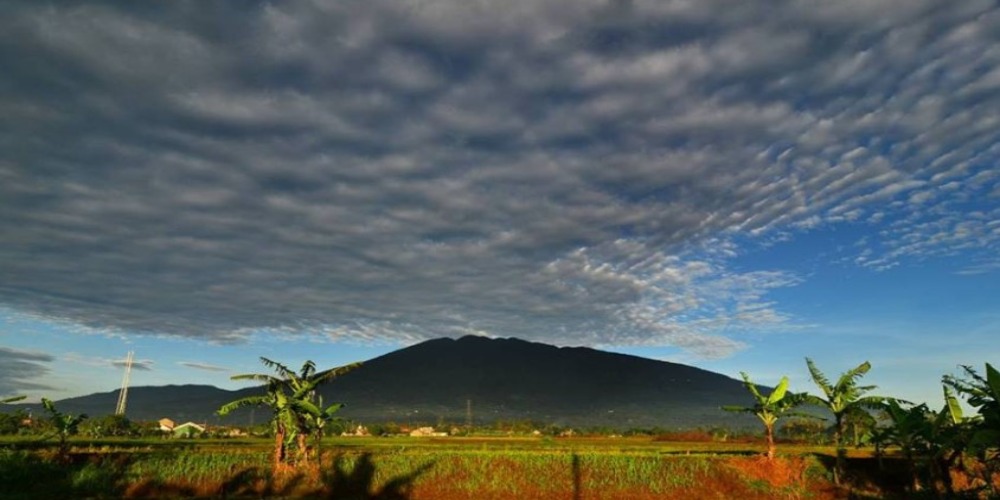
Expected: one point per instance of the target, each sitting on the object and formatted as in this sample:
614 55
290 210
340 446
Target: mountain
177 402
441 380
514 379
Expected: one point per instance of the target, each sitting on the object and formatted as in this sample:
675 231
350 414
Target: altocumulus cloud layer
566 171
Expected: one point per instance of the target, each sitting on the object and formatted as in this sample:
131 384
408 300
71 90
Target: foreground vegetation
933 443
416 468
296 414
876 447
452 468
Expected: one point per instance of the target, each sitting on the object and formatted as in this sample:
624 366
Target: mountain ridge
436 381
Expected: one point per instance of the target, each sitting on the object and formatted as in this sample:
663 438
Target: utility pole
123 393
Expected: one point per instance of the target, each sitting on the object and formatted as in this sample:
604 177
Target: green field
434 468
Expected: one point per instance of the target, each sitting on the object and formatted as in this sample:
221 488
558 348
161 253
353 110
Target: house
167 425
358 431
234 432
188 429
426 431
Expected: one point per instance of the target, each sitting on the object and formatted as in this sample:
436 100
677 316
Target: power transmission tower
123 393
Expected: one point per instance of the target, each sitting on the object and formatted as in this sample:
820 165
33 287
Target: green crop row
442 472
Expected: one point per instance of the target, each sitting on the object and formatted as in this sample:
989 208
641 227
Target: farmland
895 450
436 468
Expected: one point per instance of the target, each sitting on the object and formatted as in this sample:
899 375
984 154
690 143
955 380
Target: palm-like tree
936 437
842 399
769 408
65 425
12 399
983 394
291 397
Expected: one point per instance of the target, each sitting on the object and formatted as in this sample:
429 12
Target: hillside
511 378
501 379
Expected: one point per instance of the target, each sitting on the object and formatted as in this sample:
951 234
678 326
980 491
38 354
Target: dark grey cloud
137 364
101 362
563 171
203 366
20 369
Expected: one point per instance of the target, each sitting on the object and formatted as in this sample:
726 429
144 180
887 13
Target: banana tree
769 408
318 417
859 425
948 438
927 438
983 394
910 429
983 438
291 397
65 425
842 399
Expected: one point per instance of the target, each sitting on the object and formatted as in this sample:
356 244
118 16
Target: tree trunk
911 464
838 436
63 448
941 468
279 448
318 446
303 448
769 432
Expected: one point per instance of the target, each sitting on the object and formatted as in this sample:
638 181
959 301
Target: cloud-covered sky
620 174
18 368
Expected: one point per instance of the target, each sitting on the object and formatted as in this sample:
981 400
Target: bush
109 426
11 423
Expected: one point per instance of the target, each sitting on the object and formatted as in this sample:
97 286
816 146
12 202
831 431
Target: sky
731 184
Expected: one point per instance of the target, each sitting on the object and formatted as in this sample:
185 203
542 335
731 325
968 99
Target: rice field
420 468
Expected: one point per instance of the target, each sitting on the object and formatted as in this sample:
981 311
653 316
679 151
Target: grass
422 468
195 466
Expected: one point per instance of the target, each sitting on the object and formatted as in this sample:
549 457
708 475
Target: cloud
100 362
137 364
203 366
403 171
19 370
984 268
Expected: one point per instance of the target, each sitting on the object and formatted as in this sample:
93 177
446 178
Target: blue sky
734 185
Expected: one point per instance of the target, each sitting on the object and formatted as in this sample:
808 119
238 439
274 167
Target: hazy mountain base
623 418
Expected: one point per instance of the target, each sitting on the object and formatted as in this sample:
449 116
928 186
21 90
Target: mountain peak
516 378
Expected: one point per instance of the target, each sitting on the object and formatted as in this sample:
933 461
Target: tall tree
291 396
771 407
842 399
